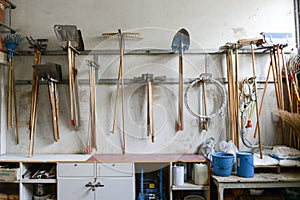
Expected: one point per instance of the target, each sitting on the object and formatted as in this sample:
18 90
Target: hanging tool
180 43
92 143
229 48
149 80
11 42
121 40
70 39
52 73
38 46
220 90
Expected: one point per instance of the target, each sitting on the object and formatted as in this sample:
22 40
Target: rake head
11 41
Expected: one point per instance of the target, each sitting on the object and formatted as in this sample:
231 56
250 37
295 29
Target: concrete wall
210 24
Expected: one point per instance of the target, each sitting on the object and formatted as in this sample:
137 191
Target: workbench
260 180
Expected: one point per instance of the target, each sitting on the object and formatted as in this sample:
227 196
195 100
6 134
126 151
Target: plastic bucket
222 163
245 164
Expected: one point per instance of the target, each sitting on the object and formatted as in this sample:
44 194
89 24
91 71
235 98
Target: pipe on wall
297 19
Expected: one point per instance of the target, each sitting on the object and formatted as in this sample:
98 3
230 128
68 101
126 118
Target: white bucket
178 175
200 174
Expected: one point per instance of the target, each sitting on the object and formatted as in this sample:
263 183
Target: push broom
11 42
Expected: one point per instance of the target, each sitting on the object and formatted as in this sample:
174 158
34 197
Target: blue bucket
222 163
245 164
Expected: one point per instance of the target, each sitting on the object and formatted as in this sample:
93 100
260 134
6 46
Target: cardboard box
9 174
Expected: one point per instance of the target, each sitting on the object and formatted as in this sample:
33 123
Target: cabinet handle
99 185
89 184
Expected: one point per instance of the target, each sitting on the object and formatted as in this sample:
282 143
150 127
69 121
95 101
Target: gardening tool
92 143
228 47
121 36
70 39
256 100
38 46
149 79
180 43
66 33
52 73
287 86
11 42
207 78
121 40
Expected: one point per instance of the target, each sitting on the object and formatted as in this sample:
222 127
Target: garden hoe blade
180 43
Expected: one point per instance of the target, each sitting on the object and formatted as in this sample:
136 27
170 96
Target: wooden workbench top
137 158
144 158
261 177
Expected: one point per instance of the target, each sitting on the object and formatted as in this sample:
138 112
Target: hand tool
180 43
11 42
149 80
38 46
92 143
70 39
219 89
256 102
52 73
252 43
121 40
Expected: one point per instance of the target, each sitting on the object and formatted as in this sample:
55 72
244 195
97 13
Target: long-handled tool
70 39
92 143
149 80
121 40
52 73
11 42
252 43
38 46
180 43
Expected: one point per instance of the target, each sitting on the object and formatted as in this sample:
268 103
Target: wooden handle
53 110
9 94
205 104
15 101
256 103
180 95
70 64
150 111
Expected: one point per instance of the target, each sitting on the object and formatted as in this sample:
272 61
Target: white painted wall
210 23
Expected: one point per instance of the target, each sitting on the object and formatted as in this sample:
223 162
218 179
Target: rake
11 42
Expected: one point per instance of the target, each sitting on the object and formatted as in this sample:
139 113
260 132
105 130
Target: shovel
180 43
52 73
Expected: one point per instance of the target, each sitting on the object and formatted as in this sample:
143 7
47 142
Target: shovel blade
181 41
48 70
65 33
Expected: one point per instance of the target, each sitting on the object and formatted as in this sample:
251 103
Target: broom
11 42
292 119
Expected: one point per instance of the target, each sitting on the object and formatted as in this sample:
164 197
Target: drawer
75 169
114 169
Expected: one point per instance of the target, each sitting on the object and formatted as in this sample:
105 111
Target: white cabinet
101 181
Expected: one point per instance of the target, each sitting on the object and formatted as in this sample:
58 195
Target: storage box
9 174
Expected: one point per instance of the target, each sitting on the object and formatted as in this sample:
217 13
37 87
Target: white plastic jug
200 174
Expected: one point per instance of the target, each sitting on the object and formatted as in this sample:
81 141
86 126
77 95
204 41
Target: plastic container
200 174
222 163
245 164
178 175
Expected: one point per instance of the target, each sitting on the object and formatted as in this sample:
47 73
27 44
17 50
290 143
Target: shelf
190 186
39 181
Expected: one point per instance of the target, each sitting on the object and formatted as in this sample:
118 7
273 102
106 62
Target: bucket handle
226 167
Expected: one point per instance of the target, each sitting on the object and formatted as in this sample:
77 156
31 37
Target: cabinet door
75 189
116 188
